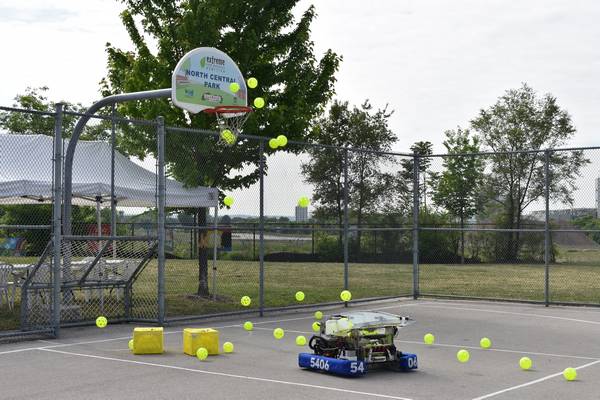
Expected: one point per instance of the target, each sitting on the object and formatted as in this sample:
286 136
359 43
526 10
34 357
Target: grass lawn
575 277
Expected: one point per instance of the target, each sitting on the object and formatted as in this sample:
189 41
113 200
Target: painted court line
250 378
487 396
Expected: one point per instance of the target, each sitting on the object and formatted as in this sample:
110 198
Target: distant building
301 214
565 214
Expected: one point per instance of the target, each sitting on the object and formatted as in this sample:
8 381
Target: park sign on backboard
202 80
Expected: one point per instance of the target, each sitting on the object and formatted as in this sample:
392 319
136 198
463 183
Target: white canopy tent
26 176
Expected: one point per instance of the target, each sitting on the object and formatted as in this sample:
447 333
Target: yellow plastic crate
194 338
148 341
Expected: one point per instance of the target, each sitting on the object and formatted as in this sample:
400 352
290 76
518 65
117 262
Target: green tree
520 121
267 43
422 149
359 128
458 188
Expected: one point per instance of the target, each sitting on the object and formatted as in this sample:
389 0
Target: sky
436 63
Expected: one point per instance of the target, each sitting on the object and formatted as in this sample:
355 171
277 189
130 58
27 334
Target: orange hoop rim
229 110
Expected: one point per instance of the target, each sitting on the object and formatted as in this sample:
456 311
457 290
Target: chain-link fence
147 237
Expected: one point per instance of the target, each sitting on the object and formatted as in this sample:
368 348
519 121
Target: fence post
261 227
56 219
346 272
415 230
113 200
547 228
160 130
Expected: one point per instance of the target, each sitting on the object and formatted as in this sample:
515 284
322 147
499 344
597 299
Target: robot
353 343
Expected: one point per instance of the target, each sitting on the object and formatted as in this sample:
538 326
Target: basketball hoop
230 119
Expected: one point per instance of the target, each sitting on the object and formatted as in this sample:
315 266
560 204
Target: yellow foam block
194 338
147 340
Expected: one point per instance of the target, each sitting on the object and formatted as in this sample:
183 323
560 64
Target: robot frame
352 343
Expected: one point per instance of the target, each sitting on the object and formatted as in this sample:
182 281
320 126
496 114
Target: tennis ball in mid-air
346 295
202 353
252 83
278 333
259 102
228 347
570 374
429 338
246 300
101 322
316 326
525 363
318 315
248 325
303 201
273 143
234 87
228 201
463 356
130 345
227 136
282 140
300 340
485 343
299 296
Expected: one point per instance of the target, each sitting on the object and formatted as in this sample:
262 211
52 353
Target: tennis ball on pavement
525 363
303 201
346 295
278 333
246 300
570 374
228 201
228 347
282 140
252 83
259 102
485 343
130 345
227 136
101 322
316 326
429 338
318 315
248 325
300 296
273 143
463 356
202 353
300 340
234 87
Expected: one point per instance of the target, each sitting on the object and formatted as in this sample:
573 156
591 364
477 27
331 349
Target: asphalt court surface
93 363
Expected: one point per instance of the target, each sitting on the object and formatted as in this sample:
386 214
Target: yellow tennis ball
570 374
259 102
130 345
234 87
299 296
282 140
463 356
429 338
228 347
228 201
303 201
101 322
278 333
246 300
248 326
273 143
252 83
346 295
300 340
227 136
525 363
318 315
485 343
316 326
202 353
